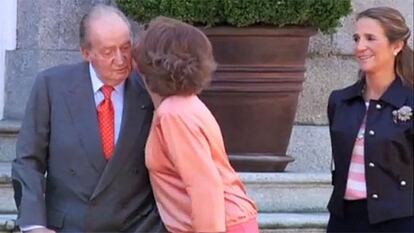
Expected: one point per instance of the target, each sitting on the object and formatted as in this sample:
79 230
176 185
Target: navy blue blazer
388 149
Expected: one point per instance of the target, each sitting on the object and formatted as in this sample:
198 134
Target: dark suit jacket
388 150
60 176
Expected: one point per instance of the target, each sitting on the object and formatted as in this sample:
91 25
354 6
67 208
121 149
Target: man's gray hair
97 11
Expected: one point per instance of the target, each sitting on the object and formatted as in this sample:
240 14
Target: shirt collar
354 91
394 95
97 83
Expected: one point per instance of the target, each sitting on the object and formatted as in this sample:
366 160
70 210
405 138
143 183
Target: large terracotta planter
254 92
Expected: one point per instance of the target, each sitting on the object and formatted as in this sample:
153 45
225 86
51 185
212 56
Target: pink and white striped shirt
356 187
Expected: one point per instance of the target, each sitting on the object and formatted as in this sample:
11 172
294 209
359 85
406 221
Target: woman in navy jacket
371 128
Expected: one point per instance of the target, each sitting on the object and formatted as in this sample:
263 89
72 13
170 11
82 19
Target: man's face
110 49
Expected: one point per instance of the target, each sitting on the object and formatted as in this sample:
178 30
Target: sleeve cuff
30 227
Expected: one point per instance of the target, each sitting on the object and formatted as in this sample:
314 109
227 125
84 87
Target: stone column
8 13
47 36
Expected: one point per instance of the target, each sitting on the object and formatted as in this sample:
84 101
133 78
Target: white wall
8 16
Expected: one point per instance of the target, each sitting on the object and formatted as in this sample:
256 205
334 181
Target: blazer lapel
137 105
82 109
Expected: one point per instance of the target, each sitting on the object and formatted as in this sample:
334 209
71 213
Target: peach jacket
195 187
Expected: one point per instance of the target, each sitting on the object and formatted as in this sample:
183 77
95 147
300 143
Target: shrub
322 14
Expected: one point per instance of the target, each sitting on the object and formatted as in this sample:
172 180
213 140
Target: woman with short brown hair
195 187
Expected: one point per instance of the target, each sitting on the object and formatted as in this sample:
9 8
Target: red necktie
106 122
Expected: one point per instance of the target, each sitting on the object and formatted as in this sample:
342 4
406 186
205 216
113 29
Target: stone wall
47 35
8 17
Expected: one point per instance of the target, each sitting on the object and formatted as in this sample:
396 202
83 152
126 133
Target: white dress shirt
117 98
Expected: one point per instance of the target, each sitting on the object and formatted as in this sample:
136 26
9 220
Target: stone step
268 222
273 192
8 134
7 205
309 156
288 202
293 222
289 191
7 223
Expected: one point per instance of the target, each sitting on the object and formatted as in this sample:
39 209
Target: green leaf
323 14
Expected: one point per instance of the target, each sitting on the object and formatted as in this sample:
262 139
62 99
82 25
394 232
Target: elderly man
80 152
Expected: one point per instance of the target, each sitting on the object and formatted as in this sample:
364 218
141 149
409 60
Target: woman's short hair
174 58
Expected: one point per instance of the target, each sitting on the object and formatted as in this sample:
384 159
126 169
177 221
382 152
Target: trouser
250 226
356 220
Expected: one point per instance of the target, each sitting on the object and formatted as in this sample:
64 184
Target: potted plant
260 46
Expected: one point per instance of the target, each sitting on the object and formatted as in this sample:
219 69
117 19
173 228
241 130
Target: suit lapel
82 109
136 107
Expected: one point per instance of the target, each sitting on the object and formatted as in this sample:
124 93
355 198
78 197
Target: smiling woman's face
373 50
